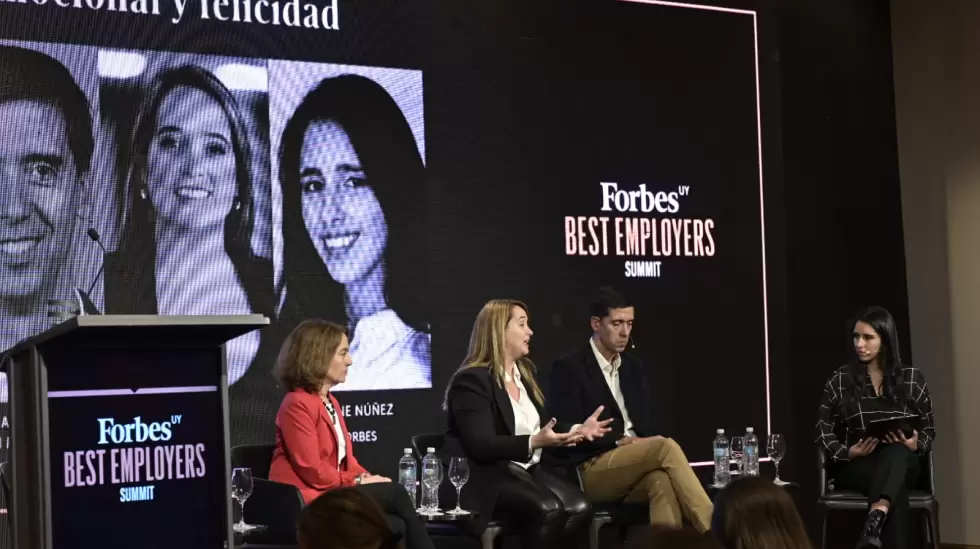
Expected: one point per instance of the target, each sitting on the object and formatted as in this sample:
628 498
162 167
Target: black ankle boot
871 534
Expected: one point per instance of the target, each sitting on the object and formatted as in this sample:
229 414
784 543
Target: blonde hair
306 354
487 347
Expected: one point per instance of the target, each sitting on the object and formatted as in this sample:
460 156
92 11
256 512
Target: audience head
345 519
611 319
666 537
314 356
501 336
754 513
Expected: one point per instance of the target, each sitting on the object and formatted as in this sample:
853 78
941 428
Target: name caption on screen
134 464
367 409
288 13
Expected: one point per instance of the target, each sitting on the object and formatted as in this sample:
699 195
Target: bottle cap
430 450
748 430
408 451
721 431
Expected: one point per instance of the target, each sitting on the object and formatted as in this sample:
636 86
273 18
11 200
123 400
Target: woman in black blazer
498 422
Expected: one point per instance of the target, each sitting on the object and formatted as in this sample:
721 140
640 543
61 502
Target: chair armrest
578 476
822 468
931 466
275 505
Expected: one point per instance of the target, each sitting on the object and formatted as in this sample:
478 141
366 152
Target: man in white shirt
632 463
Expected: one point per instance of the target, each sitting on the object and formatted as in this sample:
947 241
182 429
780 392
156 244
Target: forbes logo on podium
137 431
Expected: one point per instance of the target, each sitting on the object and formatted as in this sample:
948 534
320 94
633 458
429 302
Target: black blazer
481 429
577 387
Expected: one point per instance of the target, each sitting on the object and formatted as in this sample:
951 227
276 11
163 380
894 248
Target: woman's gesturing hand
547 437
592 428
862 447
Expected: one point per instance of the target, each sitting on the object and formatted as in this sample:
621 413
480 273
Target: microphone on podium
85 301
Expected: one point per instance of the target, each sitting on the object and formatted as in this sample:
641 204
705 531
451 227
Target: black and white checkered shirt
842 412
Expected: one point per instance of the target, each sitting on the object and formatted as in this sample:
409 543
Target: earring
237 204
143 194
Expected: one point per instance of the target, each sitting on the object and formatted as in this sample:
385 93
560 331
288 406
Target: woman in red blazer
313 447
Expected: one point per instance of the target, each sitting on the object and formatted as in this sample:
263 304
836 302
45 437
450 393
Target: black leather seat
620 514
920 497
272 504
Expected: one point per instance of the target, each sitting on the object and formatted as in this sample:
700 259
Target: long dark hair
753 513
889 355
138 239
387 150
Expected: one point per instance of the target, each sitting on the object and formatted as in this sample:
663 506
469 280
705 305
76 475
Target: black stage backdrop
565 145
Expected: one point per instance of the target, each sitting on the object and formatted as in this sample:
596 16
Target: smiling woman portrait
185 247
353 236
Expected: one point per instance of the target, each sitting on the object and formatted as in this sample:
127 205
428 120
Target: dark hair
28 75
754 513
606 299
306 354
387 150
137 239
889 356
345 518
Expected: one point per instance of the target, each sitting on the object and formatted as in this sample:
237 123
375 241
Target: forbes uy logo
137 431
640 200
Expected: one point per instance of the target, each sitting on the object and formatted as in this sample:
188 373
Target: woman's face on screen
342 214
191 165
867 343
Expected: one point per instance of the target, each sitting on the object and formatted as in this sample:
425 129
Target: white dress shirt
341 439
610 371
526 418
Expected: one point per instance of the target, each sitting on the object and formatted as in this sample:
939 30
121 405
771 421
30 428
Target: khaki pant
653 470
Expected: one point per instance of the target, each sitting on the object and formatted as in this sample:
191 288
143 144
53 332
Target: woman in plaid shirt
876 385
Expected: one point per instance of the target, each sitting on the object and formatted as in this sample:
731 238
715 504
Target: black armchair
272 504
922 498
5 480
621 514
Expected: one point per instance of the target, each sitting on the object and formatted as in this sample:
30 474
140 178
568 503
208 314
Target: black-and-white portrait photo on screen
348 156
191 232
48 96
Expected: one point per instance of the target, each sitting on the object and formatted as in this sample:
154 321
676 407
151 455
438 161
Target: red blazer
306 447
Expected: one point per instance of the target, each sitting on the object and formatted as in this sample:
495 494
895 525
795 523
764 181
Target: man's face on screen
341 212
614 329
191 169
39 185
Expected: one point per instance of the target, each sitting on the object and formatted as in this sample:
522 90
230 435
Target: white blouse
341 439
526 418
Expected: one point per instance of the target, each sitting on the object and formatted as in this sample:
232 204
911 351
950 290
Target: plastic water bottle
723 465
408 474
431 478
751 456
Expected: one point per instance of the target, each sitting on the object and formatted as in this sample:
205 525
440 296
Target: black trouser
885 474
546 509
394 501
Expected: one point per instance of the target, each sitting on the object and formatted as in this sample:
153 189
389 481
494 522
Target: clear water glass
241 489
459 474
738 452
776 450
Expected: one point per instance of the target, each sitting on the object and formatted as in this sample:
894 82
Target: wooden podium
119 432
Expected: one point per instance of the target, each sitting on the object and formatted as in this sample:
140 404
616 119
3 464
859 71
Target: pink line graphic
762 202
131 392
